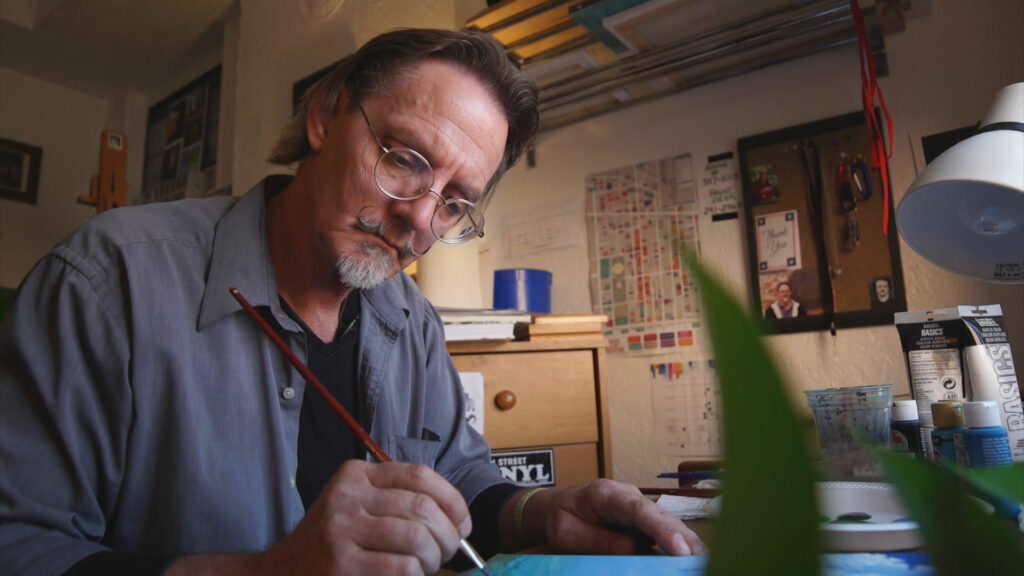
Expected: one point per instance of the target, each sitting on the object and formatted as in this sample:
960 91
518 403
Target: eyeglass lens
404 174
456 220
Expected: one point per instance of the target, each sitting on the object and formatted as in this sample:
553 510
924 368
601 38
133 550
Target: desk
558 400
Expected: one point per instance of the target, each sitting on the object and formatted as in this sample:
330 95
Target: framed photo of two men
820 258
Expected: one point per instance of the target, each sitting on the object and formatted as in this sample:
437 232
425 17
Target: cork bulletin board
814 207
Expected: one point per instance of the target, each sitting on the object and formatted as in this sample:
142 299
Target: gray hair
373 68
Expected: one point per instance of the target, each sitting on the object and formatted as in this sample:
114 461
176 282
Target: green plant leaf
960 537
1004 481
769 520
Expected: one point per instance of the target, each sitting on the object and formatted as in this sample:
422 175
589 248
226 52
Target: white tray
888 528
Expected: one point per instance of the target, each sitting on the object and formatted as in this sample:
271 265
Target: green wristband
520 505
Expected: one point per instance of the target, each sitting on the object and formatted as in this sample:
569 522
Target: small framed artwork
19 170
115 141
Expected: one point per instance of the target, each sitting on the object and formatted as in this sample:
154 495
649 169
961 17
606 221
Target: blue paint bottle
948 417
985 443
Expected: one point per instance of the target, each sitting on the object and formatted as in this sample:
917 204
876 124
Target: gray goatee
370 265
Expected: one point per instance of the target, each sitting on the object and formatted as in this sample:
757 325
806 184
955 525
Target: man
784 306
147 425
881 295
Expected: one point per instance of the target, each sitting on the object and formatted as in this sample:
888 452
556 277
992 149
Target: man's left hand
602 517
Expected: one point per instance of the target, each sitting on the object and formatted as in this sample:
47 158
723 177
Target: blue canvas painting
890 564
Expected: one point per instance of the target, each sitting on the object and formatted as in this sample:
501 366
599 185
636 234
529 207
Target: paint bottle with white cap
985 443
906 435
949 423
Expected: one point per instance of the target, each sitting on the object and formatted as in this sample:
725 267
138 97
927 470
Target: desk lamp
965 211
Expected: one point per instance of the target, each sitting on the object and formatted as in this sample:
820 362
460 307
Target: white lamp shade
965 211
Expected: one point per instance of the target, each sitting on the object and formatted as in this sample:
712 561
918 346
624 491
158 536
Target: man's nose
417 213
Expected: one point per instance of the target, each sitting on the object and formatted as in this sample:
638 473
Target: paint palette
861 517
865 517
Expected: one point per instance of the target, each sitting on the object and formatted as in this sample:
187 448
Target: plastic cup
841 416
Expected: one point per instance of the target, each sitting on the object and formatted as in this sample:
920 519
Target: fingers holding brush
387 518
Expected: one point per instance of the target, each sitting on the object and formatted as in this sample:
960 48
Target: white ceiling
104 47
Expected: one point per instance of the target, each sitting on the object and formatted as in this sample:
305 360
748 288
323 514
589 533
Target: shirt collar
388 303
241 257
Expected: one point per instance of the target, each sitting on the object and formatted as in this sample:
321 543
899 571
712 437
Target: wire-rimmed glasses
404 174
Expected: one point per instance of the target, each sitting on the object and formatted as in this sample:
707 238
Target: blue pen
695 475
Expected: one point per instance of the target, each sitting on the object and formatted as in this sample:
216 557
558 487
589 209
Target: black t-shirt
325 442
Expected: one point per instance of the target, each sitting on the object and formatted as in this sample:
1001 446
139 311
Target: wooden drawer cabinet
544 394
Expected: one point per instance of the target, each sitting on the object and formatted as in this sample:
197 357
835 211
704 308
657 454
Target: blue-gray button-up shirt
142 409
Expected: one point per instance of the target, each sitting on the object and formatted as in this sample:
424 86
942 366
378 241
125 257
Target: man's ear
317 122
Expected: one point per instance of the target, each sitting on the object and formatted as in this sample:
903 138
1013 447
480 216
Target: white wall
66 124
944 70
278 46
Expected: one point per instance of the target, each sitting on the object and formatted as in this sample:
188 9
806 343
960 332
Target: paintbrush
372 447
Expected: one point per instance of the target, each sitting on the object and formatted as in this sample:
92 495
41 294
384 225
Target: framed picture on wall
19 170
819 258
181 137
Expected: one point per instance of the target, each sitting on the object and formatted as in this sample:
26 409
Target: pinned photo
764 184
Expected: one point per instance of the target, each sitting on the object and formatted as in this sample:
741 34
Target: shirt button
288 393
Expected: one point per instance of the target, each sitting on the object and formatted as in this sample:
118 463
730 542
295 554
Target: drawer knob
505 400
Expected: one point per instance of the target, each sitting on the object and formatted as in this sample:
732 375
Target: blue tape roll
525 289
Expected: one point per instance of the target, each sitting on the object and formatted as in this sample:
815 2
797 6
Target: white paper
540 232
721 187
473 389
778 241
687 409
642 221
686 507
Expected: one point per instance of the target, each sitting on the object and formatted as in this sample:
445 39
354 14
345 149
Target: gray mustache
377 227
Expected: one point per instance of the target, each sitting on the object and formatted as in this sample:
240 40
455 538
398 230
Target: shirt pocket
413 450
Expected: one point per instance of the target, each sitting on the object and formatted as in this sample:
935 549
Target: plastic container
841 415
525 289
985 443
907 435
949 422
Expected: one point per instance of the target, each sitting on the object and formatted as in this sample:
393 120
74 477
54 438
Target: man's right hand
388 518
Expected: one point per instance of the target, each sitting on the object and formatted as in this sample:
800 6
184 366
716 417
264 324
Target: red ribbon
869 88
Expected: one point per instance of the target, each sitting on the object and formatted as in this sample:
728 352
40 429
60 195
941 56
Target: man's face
436 109
882 290
784 293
